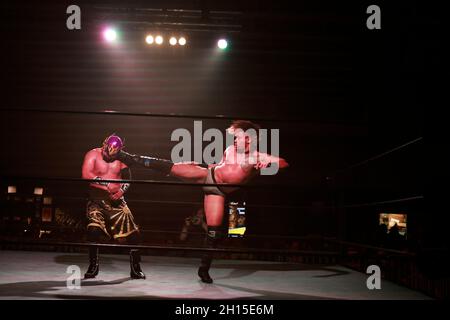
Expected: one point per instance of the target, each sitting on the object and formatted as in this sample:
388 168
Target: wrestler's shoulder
94 152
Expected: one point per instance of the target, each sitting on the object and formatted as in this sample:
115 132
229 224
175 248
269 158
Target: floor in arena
44 275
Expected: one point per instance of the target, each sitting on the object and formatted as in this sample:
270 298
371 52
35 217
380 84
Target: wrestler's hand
115 192
113 188
262 164
117 195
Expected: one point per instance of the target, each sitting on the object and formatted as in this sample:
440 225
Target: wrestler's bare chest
103 168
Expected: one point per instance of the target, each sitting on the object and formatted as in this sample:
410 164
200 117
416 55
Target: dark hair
245 125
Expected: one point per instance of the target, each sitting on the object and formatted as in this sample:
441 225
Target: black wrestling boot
135 259
93 268
203 270
161 165
210 242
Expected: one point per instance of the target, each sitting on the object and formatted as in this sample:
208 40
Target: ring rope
171 248
419 139
161 115
157 182
383 202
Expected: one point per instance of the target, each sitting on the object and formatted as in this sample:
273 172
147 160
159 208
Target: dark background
349 94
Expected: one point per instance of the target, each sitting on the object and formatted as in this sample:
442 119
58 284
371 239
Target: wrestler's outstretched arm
265 160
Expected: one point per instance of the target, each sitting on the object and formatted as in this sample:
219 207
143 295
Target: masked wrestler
107 212
239 164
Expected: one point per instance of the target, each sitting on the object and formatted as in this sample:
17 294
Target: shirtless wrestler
239 164
107 212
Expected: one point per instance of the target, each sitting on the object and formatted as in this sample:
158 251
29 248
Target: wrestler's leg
127 231
94 234
214 208
134 238
190 172
135 256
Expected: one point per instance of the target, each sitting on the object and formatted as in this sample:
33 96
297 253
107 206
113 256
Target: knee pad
213 235
214 232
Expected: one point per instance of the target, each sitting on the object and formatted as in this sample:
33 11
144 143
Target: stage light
38 191
182 41
12 189
110 35
222 44
149 39
159 40
173 41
